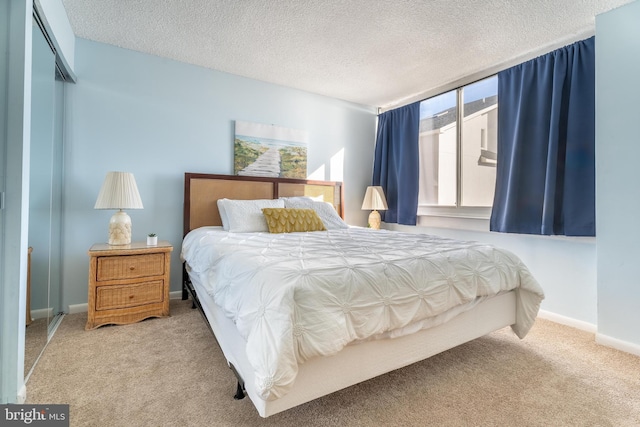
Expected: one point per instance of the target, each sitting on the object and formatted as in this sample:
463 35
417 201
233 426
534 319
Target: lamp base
120 229
374 220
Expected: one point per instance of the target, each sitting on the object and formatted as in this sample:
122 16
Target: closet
44 304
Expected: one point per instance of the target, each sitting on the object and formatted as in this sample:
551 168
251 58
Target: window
458 156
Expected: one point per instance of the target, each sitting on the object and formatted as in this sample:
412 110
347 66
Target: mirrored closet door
44 307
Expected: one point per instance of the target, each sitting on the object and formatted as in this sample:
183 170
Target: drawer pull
131 296
132 268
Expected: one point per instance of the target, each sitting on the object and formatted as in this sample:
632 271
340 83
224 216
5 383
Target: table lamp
374 199
119 191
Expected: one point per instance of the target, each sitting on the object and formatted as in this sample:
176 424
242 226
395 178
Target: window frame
457 211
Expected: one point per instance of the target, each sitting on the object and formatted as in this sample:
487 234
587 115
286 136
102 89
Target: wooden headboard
201 192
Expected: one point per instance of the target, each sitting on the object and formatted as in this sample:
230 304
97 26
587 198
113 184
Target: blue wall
617 172
159 118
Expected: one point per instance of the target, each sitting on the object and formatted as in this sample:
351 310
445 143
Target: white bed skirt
356 363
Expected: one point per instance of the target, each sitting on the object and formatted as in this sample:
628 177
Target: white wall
159 118
617 173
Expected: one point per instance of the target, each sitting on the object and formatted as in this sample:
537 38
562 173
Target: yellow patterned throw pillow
287 220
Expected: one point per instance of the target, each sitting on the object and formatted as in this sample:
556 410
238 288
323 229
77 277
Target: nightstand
128 283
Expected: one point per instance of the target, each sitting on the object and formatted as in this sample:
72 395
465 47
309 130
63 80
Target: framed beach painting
268 150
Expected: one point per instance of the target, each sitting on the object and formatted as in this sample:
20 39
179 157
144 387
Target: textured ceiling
371 52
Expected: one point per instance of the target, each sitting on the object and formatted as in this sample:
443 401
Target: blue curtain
545 182
396 166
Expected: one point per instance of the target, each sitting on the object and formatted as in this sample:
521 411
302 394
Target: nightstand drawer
130 266
123 296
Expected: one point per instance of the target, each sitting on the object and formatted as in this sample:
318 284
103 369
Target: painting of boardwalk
268 150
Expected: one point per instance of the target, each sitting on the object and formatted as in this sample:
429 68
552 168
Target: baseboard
42 313
82 308
568 321
600 339
78 308
625 346
22 395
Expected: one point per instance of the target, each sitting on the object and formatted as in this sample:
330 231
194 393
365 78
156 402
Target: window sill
455 212
456 222
481 225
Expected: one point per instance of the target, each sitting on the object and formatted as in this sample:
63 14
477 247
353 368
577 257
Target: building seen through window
458 156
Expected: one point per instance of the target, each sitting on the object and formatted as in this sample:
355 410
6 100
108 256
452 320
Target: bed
299 315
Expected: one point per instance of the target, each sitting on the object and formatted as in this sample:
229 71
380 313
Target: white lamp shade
119 191
374 199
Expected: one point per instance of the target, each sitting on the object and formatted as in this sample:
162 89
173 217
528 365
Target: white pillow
223 214
325 211
245 216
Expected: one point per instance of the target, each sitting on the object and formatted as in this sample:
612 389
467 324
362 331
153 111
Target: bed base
355 363
240 390
188 290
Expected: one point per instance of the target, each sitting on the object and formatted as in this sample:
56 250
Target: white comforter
299 295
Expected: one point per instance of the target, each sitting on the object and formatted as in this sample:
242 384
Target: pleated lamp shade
374 199
119 191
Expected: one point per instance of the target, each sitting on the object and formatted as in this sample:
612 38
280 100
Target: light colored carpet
170 372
